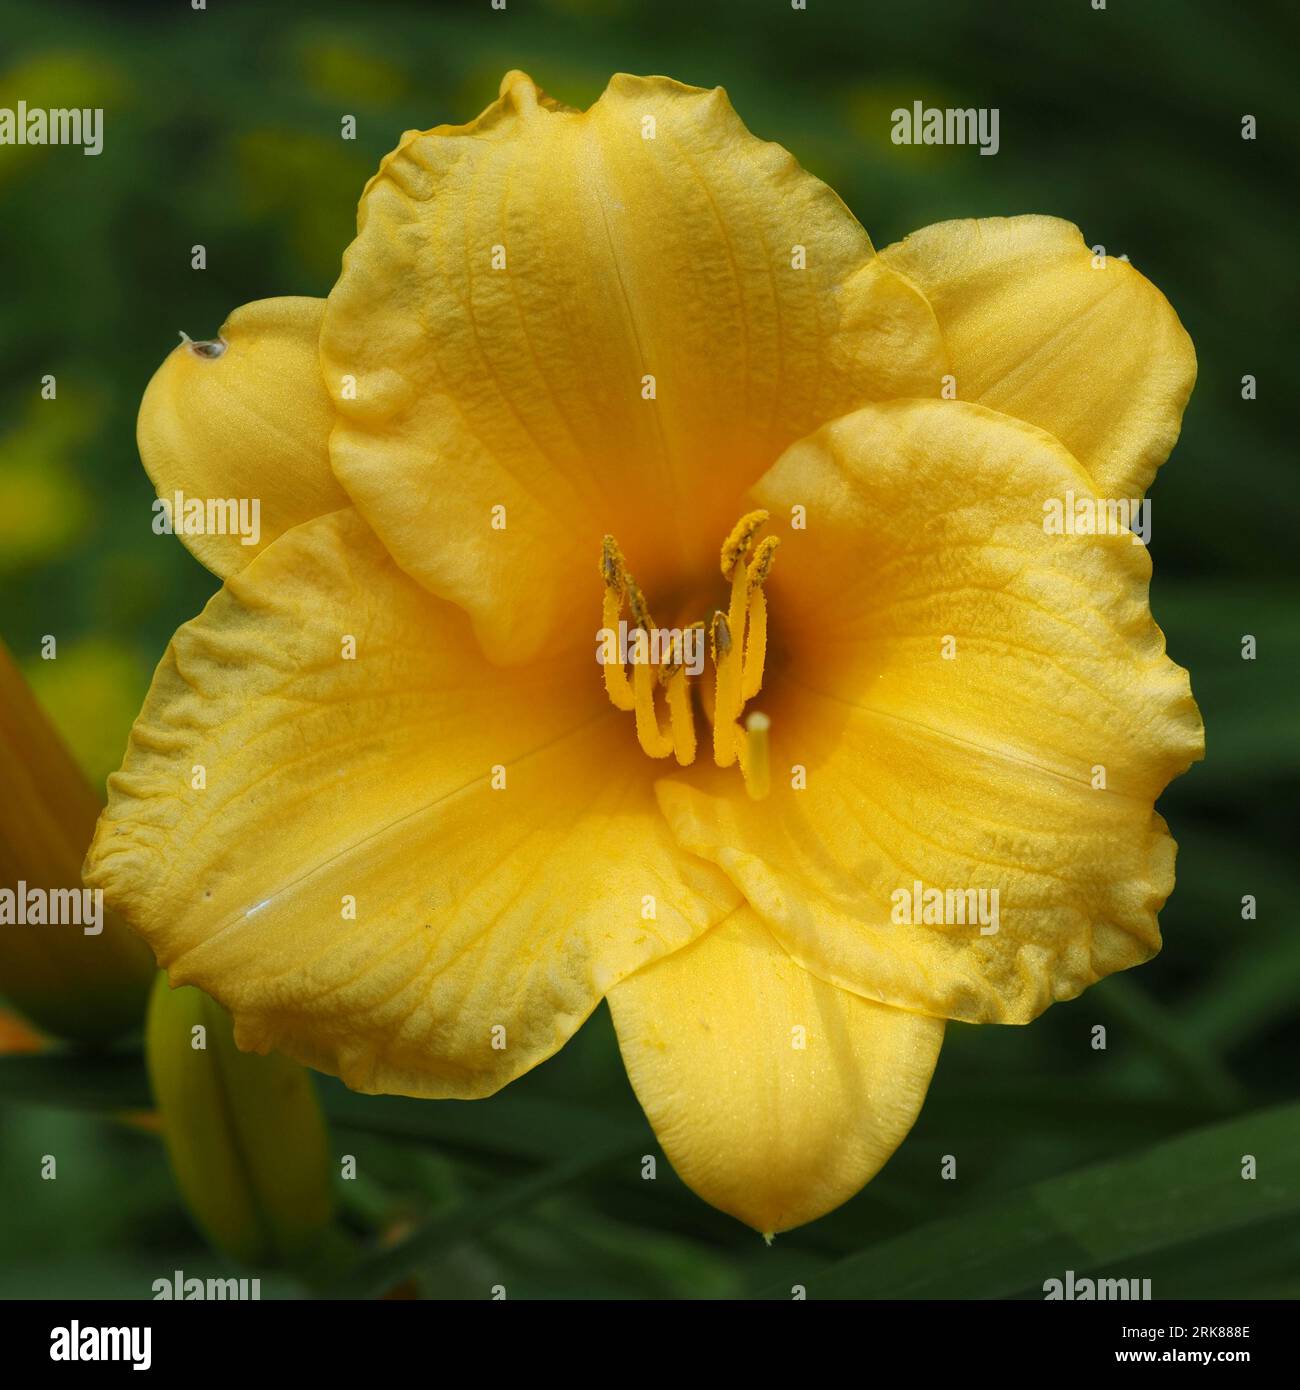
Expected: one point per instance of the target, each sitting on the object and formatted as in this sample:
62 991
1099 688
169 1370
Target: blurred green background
222 127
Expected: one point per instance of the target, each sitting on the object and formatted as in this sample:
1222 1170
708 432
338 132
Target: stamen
756 761
726 692
761 565
737 644
654 740
706 700
719 637
681 717
736 546
612 568
756 619
728 701
636 602
677 652
755 646
612 571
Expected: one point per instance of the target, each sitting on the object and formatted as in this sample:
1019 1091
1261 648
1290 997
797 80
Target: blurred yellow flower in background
86 987
381 802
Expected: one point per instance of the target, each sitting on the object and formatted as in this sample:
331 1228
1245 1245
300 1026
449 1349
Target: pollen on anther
736 546
761 565
719 636
611 563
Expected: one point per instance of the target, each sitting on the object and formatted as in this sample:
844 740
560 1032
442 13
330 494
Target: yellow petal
776 1096
245 416
407 867
245 1135
514 285
1039 328
89 987
980 772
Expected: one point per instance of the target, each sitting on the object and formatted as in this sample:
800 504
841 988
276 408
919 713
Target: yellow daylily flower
592 369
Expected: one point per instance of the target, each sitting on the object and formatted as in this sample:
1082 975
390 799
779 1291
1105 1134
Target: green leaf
390 1267
68 1080
522 1127
1185 1190
1181 1050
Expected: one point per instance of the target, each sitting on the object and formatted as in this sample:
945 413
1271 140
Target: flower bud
244 1132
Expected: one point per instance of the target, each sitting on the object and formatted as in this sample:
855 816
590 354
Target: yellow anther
678 649
756 761
736 546
636 602
672 655
761 565
719 637
612 568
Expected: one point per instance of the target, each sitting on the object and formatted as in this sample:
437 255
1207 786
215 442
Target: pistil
755 761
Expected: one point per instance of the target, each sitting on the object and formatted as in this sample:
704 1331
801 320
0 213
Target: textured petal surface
925 534
489 920
513 283
776 1096
250 423
1036 327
